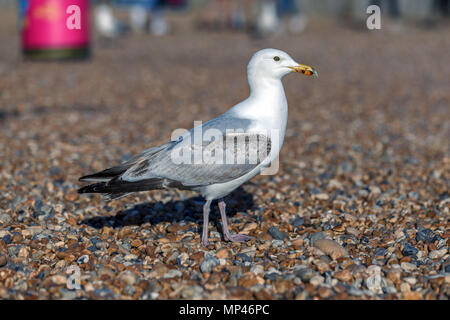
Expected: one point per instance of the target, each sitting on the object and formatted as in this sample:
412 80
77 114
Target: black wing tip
83 178
92 188
94 177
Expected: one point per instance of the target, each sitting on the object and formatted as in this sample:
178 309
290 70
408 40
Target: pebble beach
359 208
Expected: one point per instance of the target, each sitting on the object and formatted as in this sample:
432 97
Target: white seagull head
275 64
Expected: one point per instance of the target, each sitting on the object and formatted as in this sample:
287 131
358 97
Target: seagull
216 157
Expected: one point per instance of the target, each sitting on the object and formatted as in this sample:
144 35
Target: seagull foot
238 238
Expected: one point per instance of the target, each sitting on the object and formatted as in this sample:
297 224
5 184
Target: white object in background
138 18
297 23
268 20
105 21
159 25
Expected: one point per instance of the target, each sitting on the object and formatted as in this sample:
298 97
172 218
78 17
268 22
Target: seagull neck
265 88
266 101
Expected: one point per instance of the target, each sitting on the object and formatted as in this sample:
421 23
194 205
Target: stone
318 236
380 252
277 234
173 273
249 227
321 196
298 242
331 248
305 274
412 295
405 287
5 219
425 235
23 252
257 269
83 259
182 259
192 292
223 253
58 279
408 267
102 245
208 263
352 231
316 280
128 277
437 254
343 275
136 243
409 250
3 260
105 273
297 222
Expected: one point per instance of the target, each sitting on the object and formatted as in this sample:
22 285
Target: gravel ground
358 210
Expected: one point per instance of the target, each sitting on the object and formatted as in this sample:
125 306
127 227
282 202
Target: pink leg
205 222
226 231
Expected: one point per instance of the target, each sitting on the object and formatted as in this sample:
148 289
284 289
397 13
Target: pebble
173 273
321 196
257 269
408 267
352 231
305 274
409 250
425 235
101 245
318 236
316 280
249 227
223 253
416 295
192 292
105 273
208 263
297 222
129 278
5 219
405 287
3 260
244 257
182 259
343 275
83 259
58 279
437 254
298 242
136 243
277 234
411 280
23 252
331 248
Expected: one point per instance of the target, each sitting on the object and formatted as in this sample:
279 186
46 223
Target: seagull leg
205 222
226 231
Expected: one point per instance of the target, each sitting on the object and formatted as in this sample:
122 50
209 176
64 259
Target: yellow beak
305 70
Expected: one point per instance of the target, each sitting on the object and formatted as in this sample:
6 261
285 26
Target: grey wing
187 164
111 173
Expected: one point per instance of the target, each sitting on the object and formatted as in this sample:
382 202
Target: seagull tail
117 186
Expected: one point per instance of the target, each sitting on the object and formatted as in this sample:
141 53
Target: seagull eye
276 58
